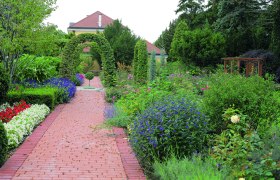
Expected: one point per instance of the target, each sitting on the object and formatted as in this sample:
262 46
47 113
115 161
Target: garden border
9 169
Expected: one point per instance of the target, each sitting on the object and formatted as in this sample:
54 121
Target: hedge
46 95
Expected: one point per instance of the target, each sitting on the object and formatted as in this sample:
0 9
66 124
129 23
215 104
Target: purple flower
130 77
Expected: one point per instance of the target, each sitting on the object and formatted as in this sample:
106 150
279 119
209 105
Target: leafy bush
194 168
251 95
171 124
201 47
23 124
36 68
3 144
4 83
44 95
241 149
78 79
113 94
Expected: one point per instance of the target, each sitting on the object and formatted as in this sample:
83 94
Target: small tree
152 67
140 62
89 76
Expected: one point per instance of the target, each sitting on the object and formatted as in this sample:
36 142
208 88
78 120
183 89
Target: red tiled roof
91 21
151 47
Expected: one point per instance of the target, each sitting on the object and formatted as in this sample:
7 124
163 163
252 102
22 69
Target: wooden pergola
252 65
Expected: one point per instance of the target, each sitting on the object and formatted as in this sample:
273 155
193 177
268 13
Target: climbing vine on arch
70 57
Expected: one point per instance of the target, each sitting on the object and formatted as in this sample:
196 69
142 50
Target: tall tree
18 22
236 19
165 39
122 41
192 12
177 51
275 44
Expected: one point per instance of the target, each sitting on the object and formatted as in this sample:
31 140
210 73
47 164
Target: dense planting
169 125
4 83
7 114
23 124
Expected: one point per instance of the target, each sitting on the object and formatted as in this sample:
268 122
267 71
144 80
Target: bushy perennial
64 83
172 124
23 124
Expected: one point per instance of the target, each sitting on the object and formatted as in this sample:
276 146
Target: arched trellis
70 57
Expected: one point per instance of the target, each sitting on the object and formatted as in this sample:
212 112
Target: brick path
70 145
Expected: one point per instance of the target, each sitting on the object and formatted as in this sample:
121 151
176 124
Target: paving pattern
73 146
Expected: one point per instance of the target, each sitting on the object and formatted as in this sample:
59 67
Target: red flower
9 113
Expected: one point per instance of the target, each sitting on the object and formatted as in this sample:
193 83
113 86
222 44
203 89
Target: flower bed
23 124
7 114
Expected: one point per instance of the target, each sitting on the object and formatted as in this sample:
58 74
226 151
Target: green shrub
4 83
113 94
48 96
36 68
252 96
152 67
195 168
140 62
171 124
3 144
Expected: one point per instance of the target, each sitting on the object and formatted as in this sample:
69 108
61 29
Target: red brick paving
70 145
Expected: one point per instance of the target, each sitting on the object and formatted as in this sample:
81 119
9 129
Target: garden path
71 145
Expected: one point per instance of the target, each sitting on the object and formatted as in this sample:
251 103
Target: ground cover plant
23 124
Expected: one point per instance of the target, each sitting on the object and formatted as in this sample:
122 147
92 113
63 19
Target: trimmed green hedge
140 62
46 95
3 144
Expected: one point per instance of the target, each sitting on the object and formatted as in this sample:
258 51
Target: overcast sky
146 18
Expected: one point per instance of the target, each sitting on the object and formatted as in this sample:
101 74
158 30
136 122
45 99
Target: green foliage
201 47
48 96
275 43
47 40
3 144
122 41
251 95
195 168
236 147
4 83
40 69
113 94
165 39
170 124
152 67
70 57
140 62
19 23
177 51
237 19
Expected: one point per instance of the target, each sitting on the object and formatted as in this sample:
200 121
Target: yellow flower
235 119
241 179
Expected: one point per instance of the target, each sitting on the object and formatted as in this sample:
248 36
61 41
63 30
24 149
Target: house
97 22
93 23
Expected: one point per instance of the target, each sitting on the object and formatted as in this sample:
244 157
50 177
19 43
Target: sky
146 18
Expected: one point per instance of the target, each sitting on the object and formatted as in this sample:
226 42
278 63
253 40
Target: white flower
23 124
235 119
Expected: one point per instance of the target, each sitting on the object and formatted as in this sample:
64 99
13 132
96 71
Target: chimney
100 20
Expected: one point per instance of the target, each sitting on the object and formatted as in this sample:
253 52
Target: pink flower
202 89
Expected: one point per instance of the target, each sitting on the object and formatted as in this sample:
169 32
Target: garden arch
71 52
